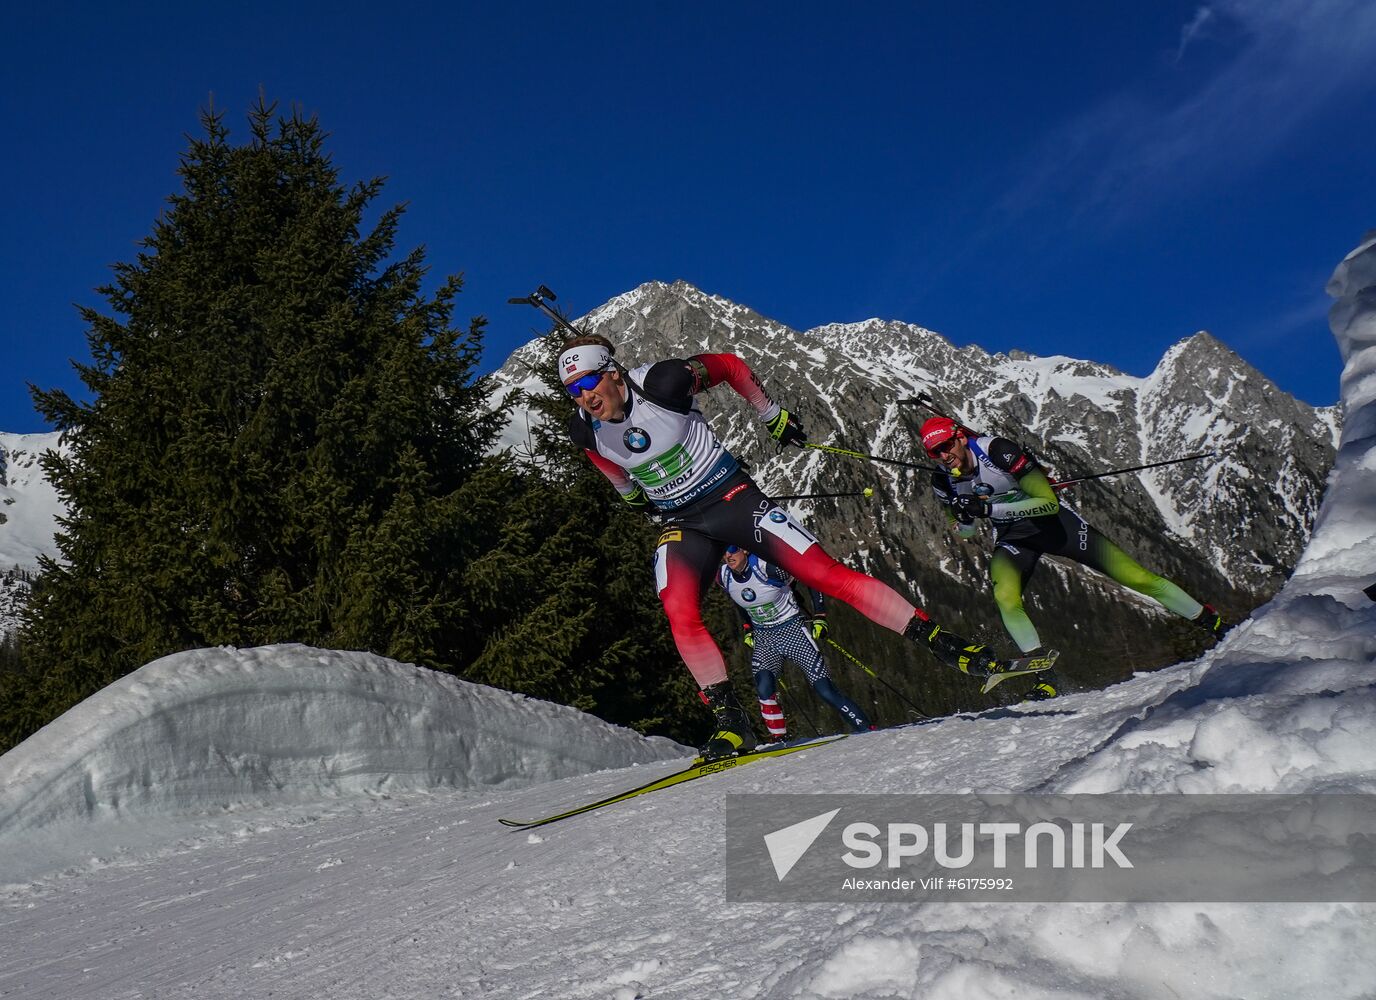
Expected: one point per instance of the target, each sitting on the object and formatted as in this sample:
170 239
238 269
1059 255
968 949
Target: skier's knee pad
765 685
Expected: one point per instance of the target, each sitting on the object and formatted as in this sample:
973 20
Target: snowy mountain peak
1230 527
29 506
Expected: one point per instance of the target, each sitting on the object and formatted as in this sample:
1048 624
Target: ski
698 769
1021 667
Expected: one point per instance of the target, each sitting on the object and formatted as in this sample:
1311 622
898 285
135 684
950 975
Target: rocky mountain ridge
1229 528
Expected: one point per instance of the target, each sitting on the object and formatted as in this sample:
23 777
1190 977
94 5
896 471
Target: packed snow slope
284 853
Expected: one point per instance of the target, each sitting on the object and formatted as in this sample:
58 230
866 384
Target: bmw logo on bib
748 594
778 516
636 439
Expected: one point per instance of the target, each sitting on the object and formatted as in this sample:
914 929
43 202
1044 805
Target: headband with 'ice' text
584 358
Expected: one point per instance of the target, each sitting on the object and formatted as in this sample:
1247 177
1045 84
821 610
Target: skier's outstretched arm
713 369
941 488
1039 501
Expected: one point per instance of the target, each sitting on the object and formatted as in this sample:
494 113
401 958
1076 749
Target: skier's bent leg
850 711
791 547
770 708
695 644
679 579
877 601
803 649
1007 576
774 722
765 684
884 606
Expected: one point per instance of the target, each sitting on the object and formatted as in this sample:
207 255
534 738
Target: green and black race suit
1010 479
1030 522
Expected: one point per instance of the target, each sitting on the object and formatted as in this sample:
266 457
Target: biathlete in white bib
777 630
643 429
994 478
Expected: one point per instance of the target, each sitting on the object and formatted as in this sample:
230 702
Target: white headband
584 358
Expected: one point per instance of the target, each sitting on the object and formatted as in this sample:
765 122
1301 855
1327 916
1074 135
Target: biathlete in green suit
994 478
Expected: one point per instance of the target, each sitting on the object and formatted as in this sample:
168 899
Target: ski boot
1042 690
733 733
1211 621
1047 686
967 657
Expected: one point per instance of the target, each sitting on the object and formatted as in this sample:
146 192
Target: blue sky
1097 180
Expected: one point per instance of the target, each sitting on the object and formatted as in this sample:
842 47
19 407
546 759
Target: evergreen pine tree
281 433
286 442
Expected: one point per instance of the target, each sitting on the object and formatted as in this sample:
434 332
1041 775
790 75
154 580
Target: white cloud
1193 30
1134 150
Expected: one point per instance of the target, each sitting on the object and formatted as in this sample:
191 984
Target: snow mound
216 730
1286 703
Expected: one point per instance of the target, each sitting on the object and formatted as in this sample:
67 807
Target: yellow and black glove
787 429
638 501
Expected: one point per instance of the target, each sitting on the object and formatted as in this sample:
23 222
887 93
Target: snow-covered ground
291 823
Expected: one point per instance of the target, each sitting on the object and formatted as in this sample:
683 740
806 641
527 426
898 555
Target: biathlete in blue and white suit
776 630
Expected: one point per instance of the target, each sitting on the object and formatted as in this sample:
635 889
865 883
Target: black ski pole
867 493
1059 484
929 404
926 402
794 703
901 697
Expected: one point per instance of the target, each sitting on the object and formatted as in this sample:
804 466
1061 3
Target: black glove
969 505
786 429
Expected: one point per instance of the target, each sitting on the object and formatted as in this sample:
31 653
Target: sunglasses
943 448
579 386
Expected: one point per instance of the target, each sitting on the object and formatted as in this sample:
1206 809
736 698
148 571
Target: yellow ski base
1021 668
698 769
